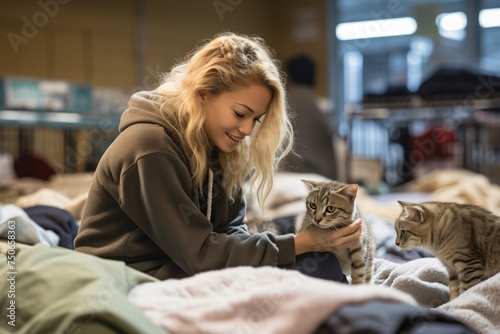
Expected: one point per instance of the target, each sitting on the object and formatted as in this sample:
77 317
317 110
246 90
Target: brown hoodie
143 209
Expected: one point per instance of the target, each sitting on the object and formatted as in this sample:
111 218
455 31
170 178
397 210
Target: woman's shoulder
143 140
145 136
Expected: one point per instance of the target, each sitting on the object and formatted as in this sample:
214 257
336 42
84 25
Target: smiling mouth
235 139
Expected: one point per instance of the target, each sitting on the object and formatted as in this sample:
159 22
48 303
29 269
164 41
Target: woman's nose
246 127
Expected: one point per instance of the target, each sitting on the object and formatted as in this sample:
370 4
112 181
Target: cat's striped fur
464 237
332 205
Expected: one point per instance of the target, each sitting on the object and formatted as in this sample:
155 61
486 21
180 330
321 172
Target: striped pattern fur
464 237
332 205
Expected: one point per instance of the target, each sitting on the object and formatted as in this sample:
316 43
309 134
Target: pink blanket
250 300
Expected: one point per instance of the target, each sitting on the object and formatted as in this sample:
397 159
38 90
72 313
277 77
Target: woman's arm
156 196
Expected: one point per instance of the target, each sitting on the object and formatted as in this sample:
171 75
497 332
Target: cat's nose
397 243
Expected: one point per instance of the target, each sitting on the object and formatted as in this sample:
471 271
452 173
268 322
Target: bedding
58 290
478 307
26 230
426 279
64 191
250 300
65 291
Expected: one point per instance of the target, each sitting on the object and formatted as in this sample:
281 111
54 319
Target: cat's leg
358 266
453 284
368 268
368 260
469 274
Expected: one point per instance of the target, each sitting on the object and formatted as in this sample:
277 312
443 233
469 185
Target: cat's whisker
332 228
389 218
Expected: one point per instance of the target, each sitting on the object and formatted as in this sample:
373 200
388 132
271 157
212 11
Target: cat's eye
312 206
402 233
330 209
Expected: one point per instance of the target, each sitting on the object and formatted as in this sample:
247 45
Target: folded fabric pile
43 224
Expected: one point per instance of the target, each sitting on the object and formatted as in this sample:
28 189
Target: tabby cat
464 237
332 205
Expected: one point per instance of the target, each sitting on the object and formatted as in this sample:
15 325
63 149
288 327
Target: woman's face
231 115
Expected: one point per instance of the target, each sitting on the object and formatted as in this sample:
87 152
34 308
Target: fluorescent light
489 18
455 21
452 25
376 28
63 117
14 115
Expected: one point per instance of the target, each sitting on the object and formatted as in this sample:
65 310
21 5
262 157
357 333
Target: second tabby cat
332 205
464 237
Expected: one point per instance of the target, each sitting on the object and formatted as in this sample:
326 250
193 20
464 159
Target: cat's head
413 225
330 203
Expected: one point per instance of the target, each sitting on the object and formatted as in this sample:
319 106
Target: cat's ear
310 184
404 204
350 191
415 213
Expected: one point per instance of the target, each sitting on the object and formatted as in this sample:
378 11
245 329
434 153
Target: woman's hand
316 239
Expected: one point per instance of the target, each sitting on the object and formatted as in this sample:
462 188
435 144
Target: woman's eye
331 209
239 115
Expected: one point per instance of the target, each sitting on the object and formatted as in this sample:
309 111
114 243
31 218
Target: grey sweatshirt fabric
143 209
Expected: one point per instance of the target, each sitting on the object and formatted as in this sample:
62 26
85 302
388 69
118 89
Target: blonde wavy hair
226 62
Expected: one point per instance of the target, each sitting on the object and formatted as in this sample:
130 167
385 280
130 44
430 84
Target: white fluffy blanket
250 300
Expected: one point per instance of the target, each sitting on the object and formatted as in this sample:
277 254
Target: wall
125 43
99 41
300 26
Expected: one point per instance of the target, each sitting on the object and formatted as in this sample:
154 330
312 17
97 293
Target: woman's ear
202 96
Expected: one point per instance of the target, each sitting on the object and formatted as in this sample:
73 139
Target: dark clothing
320 265
57 220
385 317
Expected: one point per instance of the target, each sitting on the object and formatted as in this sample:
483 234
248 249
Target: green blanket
56 290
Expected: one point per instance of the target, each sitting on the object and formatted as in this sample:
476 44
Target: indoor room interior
408 92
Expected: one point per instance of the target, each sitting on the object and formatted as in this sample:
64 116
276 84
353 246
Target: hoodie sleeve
155 192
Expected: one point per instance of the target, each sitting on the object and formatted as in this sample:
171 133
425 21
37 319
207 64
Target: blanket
64 191
426 279
57 290
250 300
460 186
478 307
272 300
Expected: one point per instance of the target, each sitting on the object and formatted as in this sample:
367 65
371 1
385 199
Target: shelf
67 120
381 130
416 109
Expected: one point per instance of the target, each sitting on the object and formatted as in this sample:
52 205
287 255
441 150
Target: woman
167 196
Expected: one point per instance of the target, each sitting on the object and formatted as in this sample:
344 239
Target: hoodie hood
142 108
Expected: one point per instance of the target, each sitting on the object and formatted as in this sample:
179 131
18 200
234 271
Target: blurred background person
313 147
